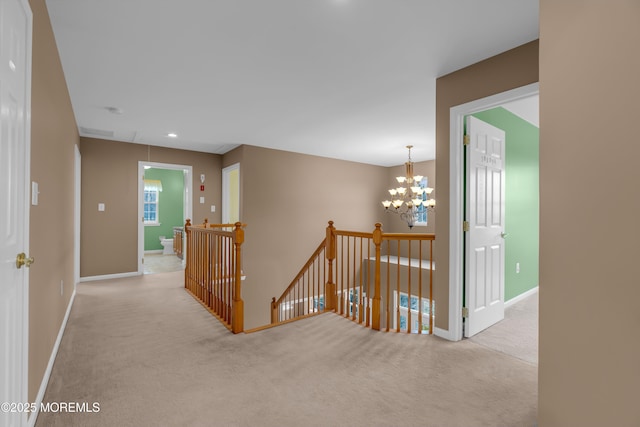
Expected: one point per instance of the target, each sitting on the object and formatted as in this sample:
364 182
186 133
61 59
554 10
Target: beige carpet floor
150 355
517 334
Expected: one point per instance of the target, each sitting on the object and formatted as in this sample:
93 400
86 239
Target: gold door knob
22 259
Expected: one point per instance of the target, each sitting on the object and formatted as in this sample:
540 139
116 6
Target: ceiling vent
96 132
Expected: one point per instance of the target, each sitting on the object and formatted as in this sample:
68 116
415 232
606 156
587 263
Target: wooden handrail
213 270
409 236
306 294
303 270
358 290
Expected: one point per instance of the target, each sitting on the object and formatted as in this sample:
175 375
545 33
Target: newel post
330 255
189 256
237 323
375 306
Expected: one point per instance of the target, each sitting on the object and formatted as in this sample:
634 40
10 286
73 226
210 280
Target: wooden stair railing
380 280
213 270
305 295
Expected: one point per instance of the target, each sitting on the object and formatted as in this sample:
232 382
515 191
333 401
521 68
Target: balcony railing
213 270
380 280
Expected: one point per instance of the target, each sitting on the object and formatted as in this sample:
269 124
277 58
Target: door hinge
465 226
465 312
466 140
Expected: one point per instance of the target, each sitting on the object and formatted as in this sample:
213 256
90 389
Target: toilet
167 245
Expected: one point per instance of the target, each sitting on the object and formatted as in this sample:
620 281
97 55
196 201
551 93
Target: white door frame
77 215
188 199
456 196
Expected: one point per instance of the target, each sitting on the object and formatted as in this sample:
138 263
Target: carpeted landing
150 355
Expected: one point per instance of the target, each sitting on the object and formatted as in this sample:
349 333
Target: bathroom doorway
164 203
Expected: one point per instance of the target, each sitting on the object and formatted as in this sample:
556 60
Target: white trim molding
109 276
520 297
47 373
187 209
456 194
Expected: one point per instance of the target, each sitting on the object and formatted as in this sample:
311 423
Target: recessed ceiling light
172 135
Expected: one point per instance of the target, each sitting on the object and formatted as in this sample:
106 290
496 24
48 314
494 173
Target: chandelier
411 199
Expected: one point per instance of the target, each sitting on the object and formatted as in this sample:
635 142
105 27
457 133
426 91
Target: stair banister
330 253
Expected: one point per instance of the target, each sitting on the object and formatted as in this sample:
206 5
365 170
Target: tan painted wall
53 137
589 354
287 200
109 239
509 70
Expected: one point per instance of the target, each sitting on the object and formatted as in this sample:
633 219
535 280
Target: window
422 211
152 189
403 307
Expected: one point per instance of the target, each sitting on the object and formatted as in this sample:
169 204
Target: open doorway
231 194
164 203
457 203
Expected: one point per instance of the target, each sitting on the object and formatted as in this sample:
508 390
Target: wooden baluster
206 257
226 284
388 286
377 241
330 252
430 287
219 273
409 324
361 294
310 284
238 303
420 287
342 291
398 289
187 269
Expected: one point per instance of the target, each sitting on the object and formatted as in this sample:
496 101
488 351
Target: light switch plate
201 199
100 207
34 193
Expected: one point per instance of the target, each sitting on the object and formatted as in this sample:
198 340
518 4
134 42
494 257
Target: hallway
149 354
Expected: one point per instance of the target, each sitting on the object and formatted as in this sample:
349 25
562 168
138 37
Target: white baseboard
521 297
47 373
153 251
447 335
109 276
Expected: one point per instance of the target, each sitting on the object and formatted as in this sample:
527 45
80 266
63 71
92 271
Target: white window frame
156 222
423 184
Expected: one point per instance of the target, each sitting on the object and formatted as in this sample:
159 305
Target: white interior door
15 95
485 197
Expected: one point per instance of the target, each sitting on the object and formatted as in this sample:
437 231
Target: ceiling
347 79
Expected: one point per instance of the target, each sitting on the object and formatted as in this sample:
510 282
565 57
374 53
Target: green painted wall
522 199
171 206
